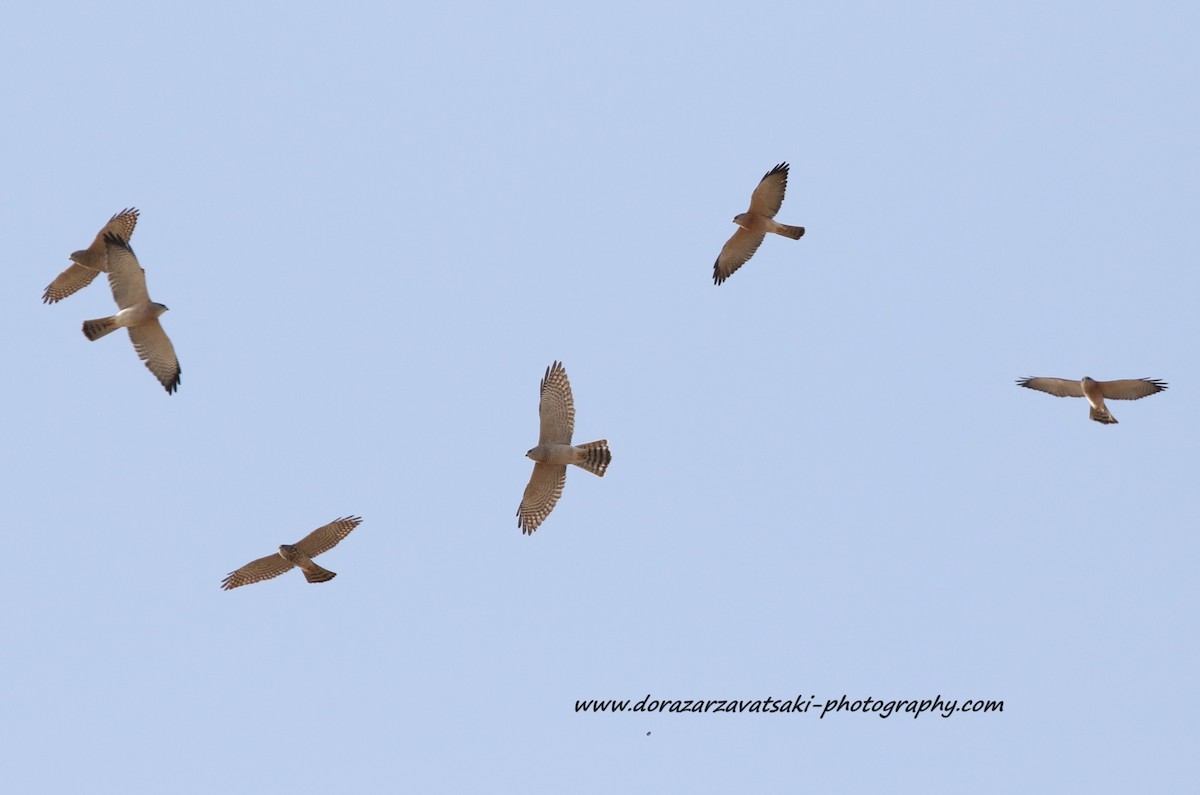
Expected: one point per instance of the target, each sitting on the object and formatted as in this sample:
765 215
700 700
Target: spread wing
326 538
737 252
256 571
1059 387
70 281
154 347
125 275
557 408
1131 388
541 495
768 196
91 260
121 225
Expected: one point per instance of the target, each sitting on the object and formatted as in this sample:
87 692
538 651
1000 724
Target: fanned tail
596 457
318 574
95 329
1103 415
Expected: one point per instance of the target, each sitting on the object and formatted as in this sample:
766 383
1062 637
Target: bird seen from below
137 313
298 555
88 262
554 451
754 224
1097 391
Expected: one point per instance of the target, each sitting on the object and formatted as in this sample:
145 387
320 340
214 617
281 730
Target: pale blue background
377 223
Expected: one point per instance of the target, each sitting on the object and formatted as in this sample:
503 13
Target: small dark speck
647 734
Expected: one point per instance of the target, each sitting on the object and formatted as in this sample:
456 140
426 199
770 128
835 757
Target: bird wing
121 225
326 538
256 571
70 281
557 407
768 196
1131 388
737 252
154 347
125 275
541 495
1059 387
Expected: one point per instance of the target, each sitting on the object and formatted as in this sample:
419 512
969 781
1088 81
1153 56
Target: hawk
299 554
1097 391
138 314
85 264
554 451
754 224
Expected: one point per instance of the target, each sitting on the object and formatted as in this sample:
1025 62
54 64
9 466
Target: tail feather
318 574
95 329
794 232
596 457
1103 416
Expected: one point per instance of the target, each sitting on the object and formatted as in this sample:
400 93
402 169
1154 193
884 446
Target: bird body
137 313
763 225
590 456
755 224
312 572
88 262
1096 391
1095 398
554 451
299 555
129 317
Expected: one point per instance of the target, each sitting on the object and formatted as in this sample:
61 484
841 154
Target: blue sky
376 224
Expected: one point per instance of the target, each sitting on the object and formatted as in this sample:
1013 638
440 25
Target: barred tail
1102 415
95 329
596 457
318 574
794 232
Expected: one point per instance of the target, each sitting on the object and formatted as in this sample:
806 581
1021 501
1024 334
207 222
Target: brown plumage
298 555
755 223
137 313
88 262
554 451
1097 391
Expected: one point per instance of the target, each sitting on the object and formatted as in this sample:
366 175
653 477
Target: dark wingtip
554 366
113 239
778 168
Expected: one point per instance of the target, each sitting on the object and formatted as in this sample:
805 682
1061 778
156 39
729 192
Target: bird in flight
137 313
88 262
554 451
1097 391
754 224
299 555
